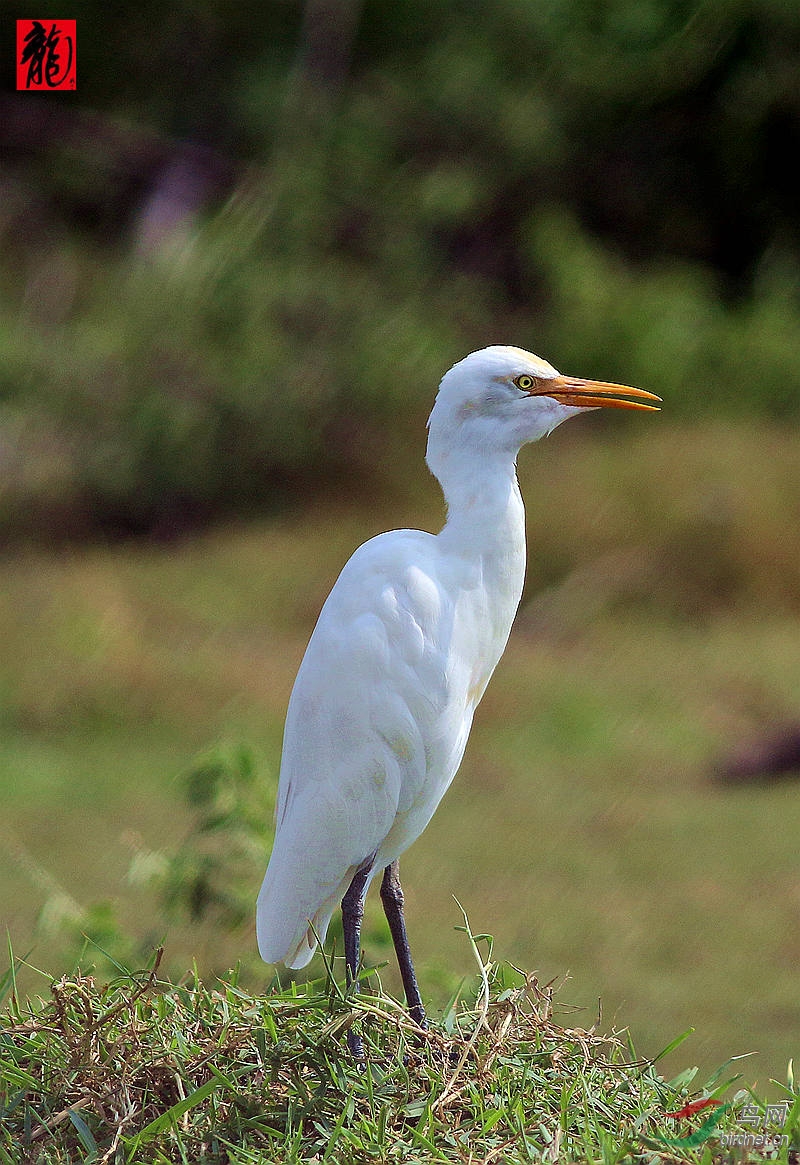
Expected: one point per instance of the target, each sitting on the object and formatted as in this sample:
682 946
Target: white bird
402 652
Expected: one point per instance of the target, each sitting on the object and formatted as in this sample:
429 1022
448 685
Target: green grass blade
173 1114
84 1133
673 1044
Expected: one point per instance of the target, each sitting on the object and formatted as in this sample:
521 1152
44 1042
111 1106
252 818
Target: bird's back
377 724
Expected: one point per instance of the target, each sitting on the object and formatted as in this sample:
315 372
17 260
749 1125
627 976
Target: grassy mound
141 1070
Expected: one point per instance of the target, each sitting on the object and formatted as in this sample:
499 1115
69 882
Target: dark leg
392 898
352 914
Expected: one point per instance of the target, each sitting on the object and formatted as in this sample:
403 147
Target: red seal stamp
46 54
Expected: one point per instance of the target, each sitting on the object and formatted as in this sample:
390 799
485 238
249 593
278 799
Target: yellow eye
524 382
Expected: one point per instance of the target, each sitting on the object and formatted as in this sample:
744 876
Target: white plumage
404 647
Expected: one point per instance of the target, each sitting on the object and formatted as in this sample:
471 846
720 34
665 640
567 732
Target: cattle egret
402 652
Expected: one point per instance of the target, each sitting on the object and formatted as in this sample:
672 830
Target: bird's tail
294 908
284 935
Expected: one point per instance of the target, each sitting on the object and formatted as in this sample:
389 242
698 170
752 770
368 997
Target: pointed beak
594 394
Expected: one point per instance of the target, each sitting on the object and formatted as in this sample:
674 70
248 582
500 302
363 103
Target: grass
143 1071
659 628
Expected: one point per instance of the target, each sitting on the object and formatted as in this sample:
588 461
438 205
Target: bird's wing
360 730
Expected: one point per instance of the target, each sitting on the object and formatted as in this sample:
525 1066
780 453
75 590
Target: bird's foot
417 1013
355 1043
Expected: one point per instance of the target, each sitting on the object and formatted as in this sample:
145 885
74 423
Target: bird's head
501 398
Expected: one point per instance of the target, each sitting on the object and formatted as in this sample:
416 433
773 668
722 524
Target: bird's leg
392 898
352 914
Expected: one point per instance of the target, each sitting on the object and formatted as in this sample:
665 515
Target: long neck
485 515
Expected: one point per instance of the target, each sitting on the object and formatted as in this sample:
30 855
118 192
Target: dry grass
140 1070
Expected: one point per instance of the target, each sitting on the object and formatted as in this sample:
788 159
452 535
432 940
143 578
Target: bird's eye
524 382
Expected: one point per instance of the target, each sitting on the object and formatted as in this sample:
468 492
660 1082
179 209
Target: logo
764 1118
694 1106
706 1130
45 54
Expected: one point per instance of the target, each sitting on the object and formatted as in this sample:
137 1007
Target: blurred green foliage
246 254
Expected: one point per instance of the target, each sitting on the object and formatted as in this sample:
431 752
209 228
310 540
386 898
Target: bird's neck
485 514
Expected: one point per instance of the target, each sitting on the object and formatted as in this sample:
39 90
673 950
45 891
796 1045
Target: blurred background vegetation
233 267
249 227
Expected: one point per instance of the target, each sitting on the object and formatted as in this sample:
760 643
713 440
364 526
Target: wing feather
361 731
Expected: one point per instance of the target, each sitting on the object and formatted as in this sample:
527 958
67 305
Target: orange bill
593 394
